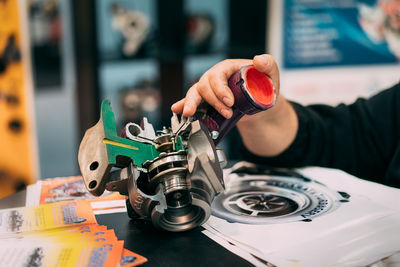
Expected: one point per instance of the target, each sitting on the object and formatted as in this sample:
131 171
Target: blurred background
144 54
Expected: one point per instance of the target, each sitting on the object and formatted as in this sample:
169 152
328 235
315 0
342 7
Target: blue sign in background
328 33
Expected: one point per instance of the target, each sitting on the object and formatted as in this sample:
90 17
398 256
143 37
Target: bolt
214 135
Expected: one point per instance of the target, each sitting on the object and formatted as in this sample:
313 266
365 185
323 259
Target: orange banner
18 166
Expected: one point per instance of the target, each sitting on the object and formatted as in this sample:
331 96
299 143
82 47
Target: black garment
362 139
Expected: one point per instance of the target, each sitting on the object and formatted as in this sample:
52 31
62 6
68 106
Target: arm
271 132
362 139
267 133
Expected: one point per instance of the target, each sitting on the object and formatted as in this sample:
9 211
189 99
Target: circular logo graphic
263 199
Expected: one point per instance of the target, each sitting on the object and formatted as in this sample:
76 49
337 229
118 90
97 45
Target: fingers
217 77
266 63
219 85
212 88
192 100
187 106
208 93
198 92
178 106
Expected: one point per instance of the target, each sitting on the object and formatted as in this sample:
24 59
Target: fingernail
227 101
225 113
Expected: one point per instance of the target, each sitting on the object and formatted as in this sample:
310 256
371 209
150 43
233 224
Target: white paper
358 233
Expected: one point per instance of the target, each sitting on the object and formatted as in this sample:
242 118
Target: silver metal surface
168 159
177 188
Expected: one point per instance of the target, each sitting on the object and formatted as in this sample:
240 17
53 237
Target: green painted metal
118 146
179 145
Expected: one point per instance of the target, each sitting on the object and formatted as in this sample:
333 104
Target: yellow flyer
99 233
49 252
24 252
76 235
87 228
45 217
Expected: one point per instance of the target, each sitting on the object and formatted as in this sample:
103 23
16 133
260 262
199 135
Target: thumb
266 64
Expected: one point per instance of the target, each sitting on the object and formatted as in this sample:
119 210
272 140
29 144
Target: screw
214 135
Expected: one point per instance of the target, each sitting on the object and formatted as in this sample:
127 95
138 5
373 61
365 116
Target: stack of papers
73 188
60 234
358 232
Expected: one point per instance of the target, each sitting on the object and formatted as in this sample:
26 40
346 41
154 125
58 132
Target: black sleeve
360 138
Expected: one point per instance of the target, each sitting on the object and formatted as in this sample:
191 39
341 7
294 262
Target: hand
213 85
266 133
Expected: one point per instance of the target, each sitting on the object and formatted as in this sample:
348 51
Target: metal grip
253 92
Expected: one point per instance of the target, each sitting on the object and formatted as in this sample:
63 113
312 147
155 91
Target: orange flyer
70 188
130 259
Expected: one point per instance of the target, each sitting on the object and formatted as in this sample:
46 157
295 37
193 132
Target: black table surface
191 248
